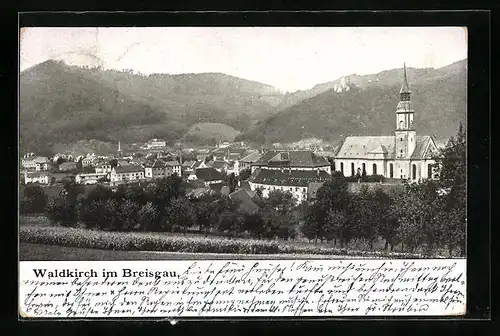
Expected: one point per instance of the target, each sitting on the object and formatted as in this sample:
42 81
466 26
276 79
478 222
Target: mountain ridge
62 103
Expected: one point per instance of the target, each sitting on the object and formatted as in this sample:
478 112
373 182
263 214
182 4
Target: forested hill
439 100
63 104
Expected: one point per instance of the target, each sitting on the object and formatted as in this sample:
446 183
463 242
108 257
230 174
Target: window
414 171
364 168
352 168
391 170
374 169
429 171
400 139
342 168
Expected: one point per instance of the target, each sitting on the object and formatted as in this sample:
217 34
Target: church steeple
405 88
405 135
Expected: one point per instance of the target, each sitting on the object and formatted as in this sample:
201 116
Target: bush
128 241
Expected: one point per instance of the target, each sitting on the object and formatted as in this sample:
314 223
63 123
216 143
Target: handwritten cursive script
242 288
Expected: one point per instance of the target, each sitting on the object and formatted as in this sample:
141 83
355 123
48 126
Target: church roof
367 147
421 147
377 147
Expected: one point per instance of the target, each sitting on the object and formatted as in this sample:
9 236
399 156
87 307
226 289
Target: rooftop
292 158
295 178
208 174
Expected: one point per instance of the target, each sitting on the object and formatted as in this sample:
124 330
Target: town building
89 178
89 160
126 174
403 155
300 160
37 163
103 167
175 166
295 181
157 169
155 144
247 161
40 177
209 176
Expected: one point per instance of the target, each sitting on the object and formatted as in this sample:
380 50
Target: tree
283 202
230 223
147 217
206 214
388 224
332 195
60 210
180 214
452 178
127 218
254 224
33 200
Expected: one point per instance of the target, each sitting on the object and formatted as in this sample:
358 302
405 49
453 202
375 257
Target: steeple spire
405 88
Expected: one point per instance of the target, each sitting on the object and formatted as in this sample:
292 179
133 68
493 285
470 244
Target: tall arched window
429 171
374 169
401 124
364 168
414 171
342 168
391 170
352 169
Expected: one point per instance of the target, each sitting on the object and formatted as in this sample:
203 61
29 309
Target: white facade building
37 177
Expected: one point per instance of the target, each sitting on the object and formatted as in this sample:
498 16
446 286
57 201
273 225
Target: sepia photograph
242 143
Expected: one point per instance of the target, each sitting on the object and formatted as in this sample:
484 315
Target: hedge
135 241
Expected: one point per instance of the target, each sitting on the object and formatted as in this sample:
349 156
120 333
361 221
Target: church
404 155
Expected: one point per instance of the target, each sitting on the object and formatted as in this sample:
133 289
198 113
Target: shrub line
138 241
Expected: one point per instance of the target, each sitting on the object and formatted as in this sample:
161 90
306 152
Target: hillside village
233 168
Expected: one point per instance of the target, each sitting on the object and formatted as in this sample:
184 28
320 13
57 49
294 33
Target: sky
288 58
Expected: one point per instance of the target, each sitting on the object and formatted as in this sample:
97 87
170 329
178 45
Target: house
157 169
220 155
40 177
235 154
403 155
301 160
208 175
246 204
89 178
103 167
156 144
294 181
126 174
201 157
200 192
89 160
220 166
247 161
67 166
233 168
37 163
175 166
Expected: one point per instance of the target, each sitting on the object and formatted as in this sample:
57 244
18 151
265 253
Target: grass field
35 252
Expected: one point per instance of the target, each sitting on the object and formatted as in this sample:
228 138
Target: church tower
405 134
